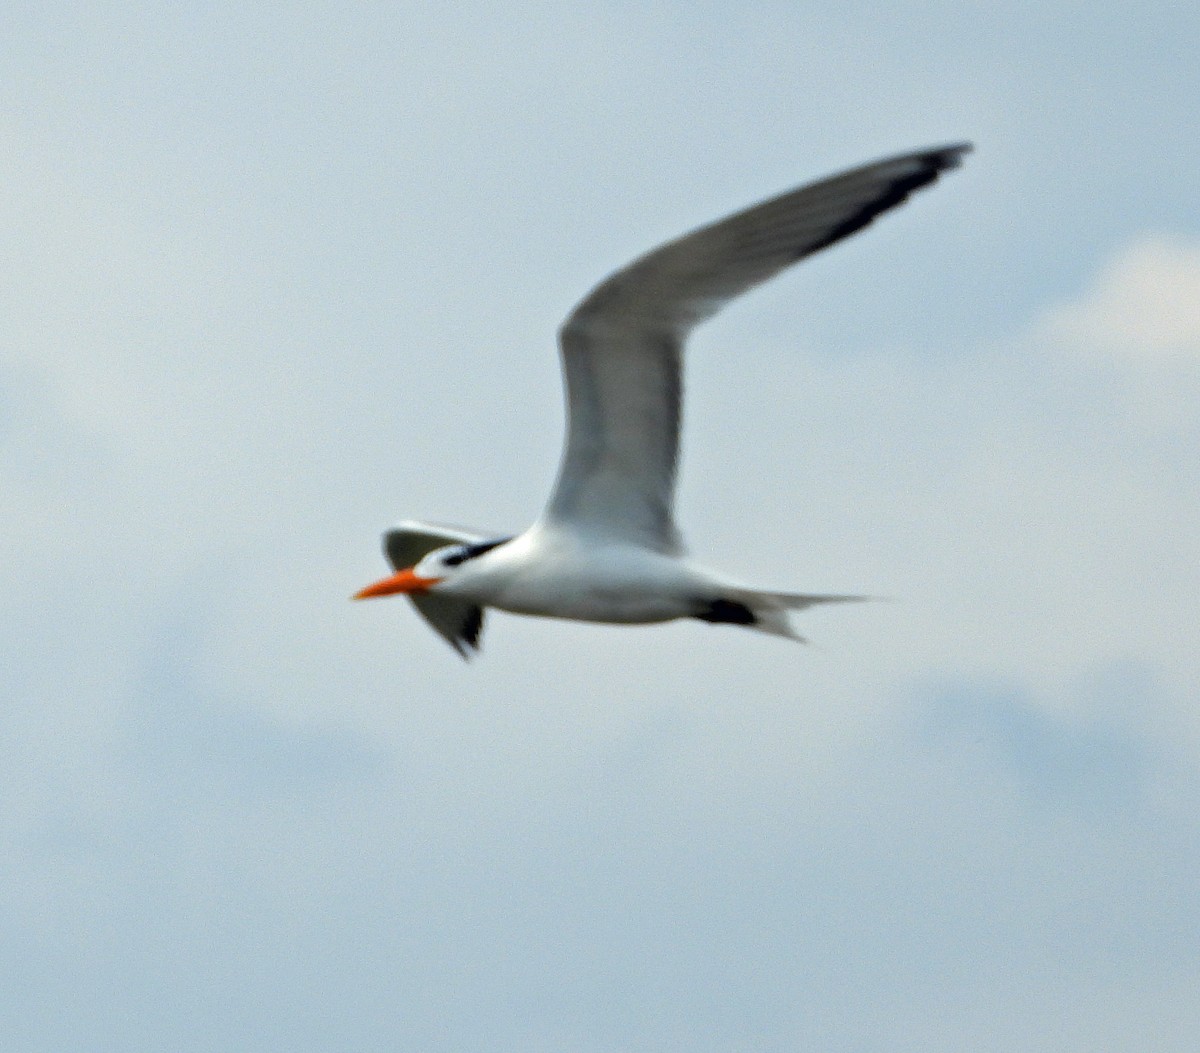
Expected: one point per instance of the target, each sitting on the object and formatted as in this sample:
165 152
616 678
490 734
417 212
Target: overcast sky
276 278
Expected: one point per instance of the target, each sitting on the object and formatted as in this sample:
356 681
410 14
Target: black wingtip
944 158
466 640
929 164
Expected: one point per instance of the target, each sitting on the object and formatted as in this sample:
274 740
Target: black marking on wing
472 551
935 162
725 611
467 640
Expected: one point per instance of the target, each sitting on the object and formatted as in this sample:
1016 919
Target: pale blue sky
276 279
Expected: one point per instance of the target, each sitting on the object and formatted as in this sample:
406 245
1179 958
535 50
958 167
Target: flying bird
606 548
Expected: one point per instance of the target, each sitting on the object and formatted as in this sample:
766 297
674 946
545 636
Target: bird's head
435 570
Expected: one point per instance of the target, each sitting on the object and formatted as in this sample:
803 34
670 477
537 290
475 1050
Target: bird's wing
458 622
622 345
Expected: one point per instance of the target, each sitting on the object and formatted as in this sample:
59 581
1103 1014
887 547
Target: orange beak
402 581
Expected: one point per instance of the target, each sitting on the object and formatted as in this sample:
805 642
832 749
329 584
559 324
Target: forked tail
767 612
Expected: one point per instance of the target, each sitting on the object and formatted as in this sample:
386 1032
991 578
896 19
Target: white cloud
1143 306
1136 329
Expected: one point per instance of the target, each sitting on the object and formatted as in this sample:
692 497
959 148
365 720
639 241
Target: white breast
557 574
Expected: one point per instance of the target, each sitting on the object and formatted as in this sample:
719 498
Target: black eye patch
471 551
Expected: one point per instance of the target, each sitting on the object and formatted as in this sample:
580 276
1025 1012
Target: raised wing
458 622
622 345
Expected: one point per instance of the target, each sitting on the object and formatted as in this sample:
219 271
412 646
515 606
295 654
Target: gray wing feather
617 474
458 622
622 345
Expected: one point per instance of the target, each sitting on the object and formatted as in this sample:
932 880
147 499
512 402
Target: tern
606 548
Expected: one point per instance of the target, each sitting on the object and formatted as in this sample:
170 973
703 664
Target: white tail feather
770 609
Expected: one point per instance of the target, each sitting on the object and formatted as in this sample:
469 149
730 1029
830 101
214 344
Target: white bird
606 548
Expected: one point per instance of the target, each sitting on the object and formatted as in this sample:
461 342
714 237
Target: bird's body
606 548
563 574
552 571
